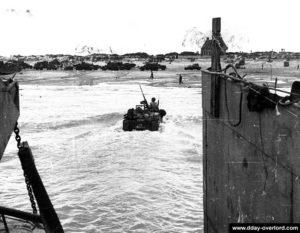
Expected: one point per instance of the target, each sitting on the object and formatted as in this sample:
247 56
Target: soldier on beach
180 79
151 75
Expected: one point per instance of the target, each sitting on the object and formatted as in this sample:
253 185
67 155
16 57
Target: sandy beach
253 71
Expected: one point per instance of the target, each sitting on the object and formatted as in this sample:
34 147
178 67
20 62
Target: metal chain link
30 194
28 185
17 137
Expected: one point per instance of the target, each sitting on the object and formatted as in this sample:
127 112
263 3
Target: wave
186 129
108 119
182 120
113 121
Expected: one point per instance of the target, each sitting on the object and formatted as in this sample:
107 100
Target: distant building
207 47
171 56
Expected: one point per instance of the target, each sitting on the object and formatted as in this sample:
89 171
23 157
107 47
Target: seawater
99 178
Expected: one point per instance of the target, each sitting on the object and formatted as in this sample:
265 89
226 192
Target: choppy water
101 179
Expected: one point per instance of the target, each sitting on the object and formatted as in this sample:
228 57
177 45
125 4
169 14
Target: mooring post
215 66
48 215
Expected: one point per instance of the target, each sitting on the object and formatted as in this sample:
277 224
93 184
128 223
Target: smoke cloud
194 38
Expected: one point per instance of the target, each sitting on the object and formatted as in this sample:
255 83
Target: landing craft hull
9 111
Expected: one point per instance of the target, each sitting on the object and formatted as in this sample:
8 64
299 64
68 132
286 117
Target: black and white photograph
139 116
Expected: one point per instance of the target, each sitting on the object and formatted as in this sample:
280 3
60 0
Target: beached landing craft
12 220
143 117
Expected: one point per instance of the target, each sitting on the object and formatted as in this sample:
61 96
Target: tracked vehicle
142 117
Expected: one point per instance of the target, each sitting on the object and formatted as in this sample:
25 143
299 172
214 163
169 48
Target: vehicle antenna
144 98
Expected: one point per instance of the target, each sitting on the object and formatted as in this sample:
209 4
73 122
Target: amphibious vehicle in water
143 117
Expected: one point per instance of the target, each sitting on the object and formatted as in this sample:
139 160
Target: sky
152 26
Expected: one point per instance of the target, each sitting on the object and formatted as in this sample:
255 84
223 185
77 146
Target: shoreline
167 78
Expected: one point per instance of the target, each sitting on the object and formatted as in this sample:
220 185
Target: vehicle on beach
86 66
69 68
118 66
45 65
127 66
193 67
111 66
153 66
143 117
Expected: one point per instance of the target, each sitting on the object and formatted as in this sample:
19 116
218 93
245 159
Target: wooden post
215 66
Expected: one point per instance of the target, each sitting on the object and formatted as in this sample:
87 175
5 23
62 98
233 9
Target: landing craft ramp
9 110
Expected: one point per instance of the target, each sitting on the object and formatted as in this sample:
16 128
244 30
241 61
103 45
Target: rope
243 80
216 39
235 70
289 103
223 75
240 107
272 101
286 92
247 84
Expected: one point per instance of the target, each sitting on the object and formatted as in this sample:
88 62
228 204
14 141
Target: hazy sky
153 26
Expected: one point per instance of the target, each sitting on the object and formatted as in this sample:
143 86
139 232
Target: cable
272 101
248 85
240 107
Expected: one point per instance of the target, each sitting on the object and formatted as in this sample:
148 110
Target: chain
31 197
29 189
17 137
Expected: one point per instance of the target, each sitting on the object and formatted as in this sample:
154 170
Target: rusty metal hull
9 111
